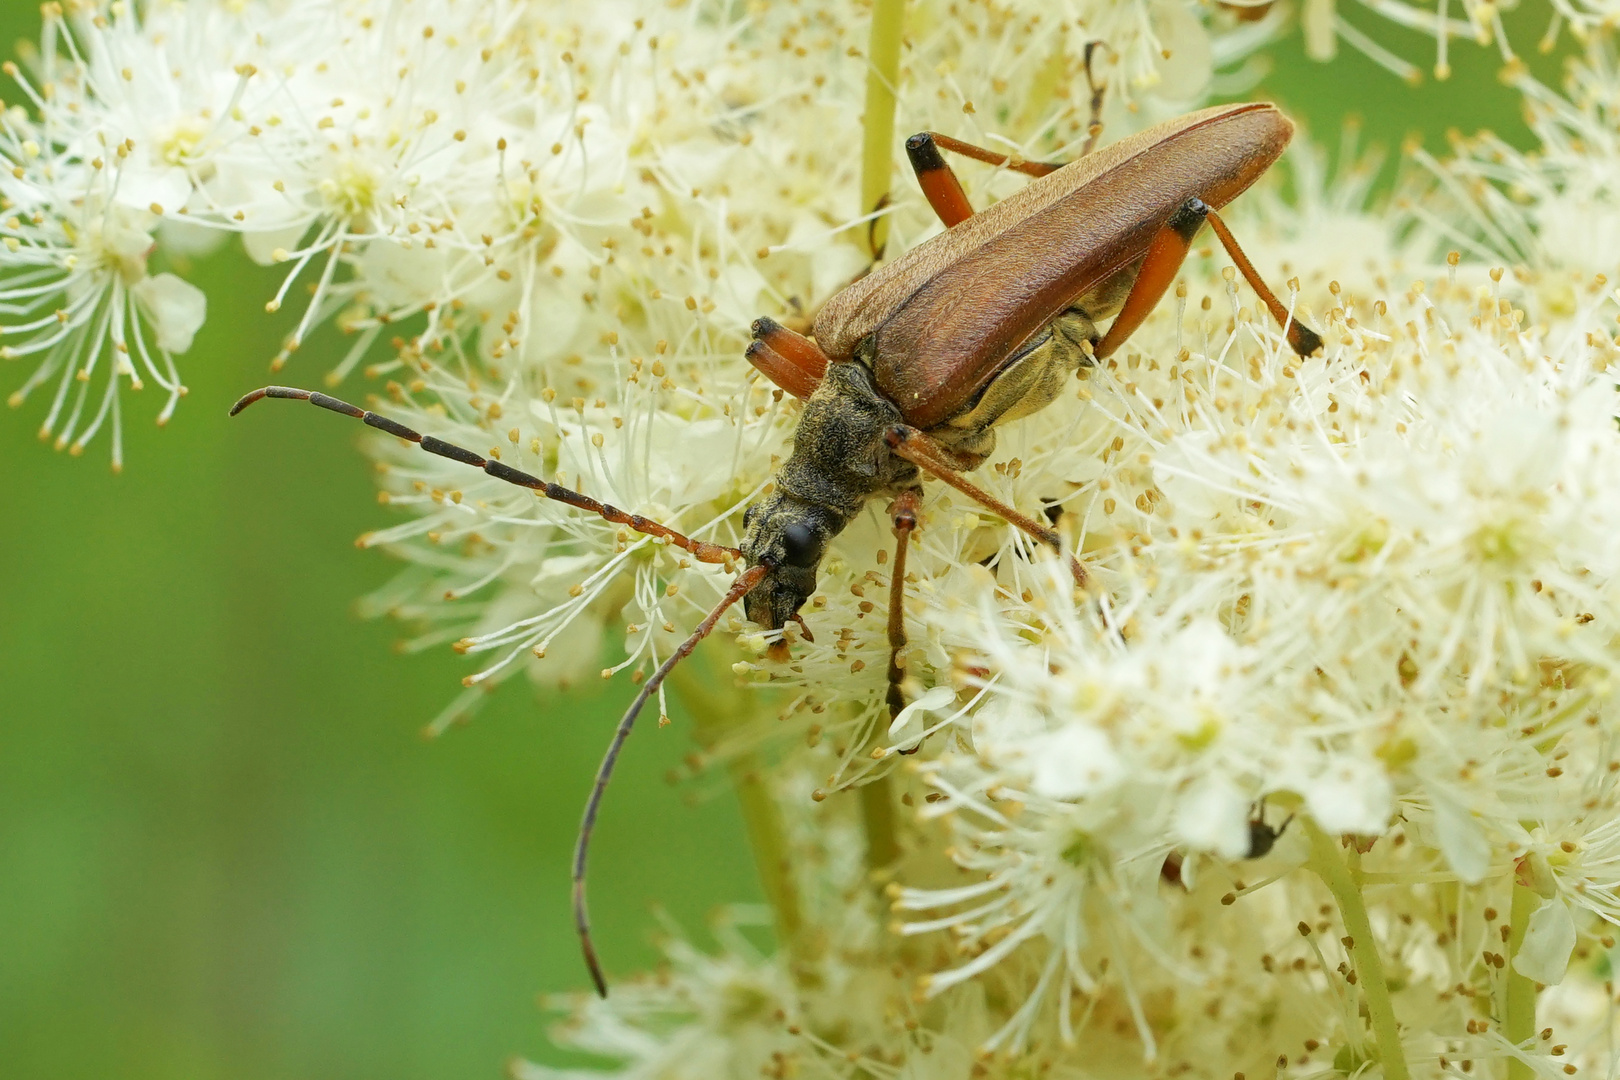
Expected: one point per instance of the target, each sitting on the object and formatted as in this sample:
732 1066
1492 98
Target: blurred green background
224 849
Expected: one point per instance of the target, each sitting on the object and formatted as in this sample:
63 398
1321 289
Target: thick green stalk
1519 1010
877 143
878 822
768 838
717 707
1330 866
877 163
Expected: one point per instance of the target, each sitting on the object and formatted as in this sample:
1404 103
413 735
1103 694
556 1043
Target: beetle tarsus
1262 835
1302 339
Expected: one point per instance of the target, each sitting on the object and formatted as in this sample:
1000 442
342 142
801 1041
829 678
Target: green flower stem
877 145
706 687
878 822
763 820
1336 874
1519 1011
877 162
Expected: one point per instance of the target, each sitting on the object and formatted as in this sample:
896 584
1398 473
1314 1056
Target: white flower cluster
1556 208
1316 777
1480 24
1374 589
463 173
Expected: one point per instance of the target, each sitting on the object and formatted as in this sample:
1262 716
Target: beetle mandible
909 369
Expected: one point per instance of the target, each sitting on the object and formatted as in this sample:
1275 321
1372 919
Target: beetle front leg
916 447
903 512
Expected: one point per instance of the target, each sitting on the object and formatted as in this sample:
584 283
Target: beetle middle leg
916 447
938 181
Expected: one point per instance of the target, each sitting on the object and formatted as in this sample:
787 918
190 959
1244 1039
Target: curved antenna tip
582 923
290 392
247 399
604 772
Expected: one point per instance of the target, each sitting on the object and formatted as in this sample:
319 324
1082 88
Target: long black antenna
701 550
582 917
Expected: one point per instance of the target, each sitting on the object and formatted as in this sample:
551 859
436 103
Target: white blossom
1317 771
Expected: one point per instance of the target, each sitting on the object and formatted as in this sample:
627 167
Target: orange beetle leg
938 461
992 157
1164 257
939 182
1301 338
903 513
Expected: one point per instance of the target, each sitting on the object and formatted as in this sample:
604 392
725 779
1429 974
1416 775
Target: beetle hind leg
938 180
1301 338
1165 254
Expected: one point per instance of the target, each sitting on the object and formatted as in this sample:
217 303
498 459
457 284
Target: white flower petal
1074 762
1214 817
1462 841
910 718
176 307
1548 942
1349 797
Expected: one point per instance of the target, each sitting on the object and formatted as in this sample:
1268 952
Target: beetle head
788 536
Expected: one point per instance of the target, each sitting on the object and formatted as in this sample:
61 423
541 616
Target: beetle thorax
840 460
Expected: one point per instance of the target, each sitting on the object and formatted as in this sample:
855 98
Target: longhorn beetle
909 369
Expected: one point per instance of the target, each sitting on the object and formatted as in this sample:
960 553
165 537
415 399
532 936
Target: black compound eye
801 546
